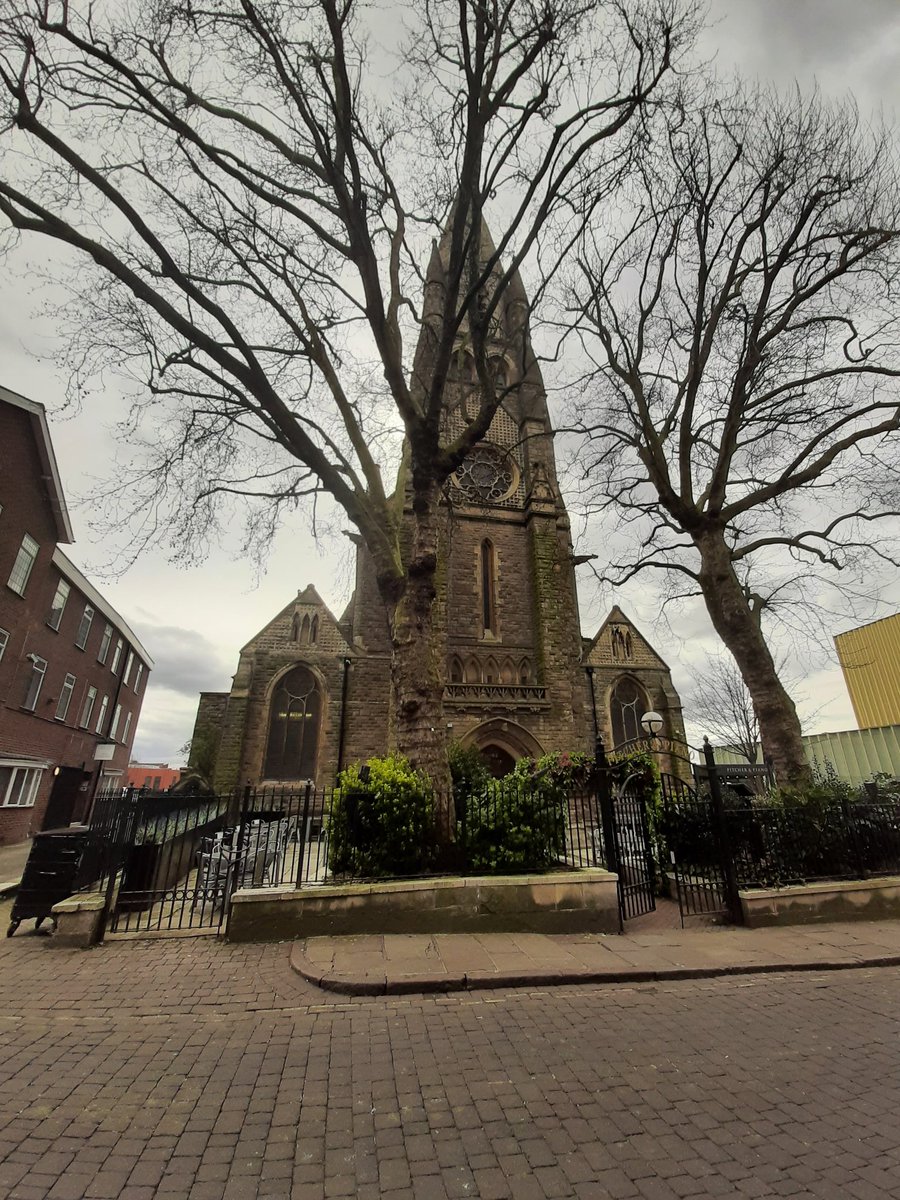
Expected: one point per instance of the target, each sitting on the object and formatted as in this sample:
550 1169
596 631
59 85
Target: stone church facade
312 691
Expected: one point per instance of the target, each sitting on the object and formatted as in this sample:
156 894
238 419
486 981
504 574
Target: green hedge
383 826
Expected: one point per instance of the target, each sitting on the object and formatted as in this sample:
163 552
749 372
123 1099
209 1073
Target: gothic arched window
294 726
314 630
488 587
295 628
456 671
627 704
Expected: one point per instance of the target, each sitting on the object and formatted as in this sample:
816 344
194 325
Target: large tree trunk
738 627
418 654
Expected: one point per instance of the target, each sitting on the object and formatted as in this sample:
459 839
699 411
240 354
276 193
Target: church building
312 691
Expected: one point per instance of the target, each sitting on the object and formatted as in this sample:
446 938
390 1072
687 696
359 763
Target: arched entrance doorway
499 760
503 743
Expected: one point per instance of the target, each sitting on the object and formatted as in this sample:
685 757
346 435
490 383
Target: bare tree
251 190
720 702
744 326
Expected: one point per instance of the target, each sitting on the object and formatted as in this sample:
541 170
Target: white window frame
38 673
138 675
84 628
65 697
105 643
25 560
87 708
27 790
56 613
4 642
104 709
127 729
117 656
129 663
117 716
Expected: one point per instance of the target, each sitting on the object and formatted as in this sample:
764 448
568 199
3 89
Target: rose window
487 475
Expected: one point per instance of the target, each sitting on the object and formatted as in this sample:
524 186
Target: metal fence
172 862
776 847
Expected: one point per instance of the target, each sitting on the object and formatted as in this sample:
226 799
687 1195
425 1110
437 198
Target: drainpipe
343 724
590 675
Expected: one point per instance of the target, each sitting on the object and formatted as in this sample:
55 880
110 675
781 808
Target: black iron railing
776 847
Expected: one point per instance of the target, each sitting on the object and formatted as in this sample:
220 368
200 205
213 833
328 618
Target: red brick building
154 777
72 673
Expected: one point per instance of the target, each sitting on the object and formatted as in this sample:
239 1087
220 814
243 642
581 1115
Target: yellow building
870 659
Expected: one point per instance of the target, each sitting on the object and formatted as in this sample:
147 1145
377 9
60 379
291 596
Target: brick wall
40 734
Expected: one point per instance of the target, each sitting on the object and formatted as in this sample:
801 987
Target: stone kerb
561 902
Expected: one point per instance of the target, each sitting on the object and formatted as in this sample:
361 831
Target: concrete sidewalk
403 963
12 864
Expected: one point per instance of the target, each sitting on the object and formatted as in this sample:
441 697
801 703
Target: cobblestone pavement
193 1070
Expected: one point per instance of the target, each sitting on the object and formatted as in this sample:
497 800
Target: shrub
384 825
469 772
517 824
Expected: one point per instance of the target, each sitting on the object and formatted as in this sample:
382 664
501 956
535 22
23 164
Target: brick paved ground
192 1070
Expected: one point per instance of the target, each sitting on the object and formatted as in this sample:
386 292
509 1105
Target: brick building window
117 655
627 704
57 608
88 707
4 639
127 729
18 576
293 740
19 786
137 676
129 663
104 705
105 643
488 587
115 722
65 697
84 627
38 670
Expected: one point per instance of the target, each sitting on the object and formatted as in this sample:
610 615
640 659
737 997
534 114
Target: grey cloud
186 662
166 723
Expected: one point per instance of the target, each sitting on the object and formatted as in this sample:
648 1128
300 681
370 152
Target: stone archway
503 742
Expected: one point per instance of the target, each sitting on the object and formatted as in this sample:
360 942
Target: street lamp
651 723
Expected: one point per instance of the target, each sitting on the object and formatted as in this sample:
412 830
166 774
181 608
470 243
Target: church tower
514 681
312 692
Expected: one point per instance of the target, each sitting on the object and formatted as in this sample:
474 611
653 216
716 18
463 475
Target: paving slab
403 963
12 864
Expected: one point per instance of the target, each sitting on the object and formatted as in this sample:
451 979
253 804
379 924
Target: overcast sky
194 617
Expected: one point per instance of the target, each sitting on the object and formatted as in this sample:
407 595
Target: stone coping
437 883
822 887
89 902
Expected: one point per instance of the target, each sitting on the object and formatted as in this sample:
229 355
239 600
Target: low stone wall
564 902
77 920
811 903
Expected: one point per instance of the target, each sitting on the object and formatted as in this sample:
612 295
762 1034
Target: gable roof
617 617
41 430
308 596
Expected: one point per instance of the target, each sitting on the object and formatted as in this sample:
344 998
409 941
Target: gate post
607 819
122 837
717 809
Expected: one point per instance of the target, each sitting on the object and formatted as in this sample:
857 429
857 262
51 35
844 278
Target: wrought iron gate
630 850
694 840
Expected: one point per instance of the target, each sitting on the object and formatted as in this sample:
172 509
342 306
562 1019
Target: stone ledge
876 899
560 902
